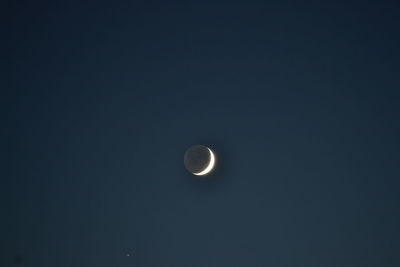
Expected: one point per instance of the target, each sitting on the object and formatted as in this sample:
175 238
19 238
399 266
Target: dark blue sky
300 101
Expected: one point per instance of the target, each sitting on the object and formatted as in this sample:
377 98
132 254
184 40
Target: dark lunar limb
196 158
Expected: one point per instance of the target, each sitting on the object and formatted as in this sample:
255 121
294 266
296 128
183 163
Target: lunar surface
199 160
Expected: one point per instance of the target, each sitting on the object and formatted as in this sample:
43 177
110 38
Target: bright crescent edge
210 165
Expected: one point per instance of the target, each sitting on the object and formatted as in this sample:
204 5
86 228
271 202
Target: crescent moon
210 164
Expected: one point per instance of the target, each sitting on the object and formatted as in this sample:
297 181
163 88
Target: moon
199 160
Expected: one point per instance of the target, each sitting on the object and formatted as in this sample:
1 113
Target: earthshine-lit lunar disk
199 160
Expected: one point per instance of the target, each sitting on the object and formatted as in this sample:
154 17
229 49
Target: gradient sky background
300 101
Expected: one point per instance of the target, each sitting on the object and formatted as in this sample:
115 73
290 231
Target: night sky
101 99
